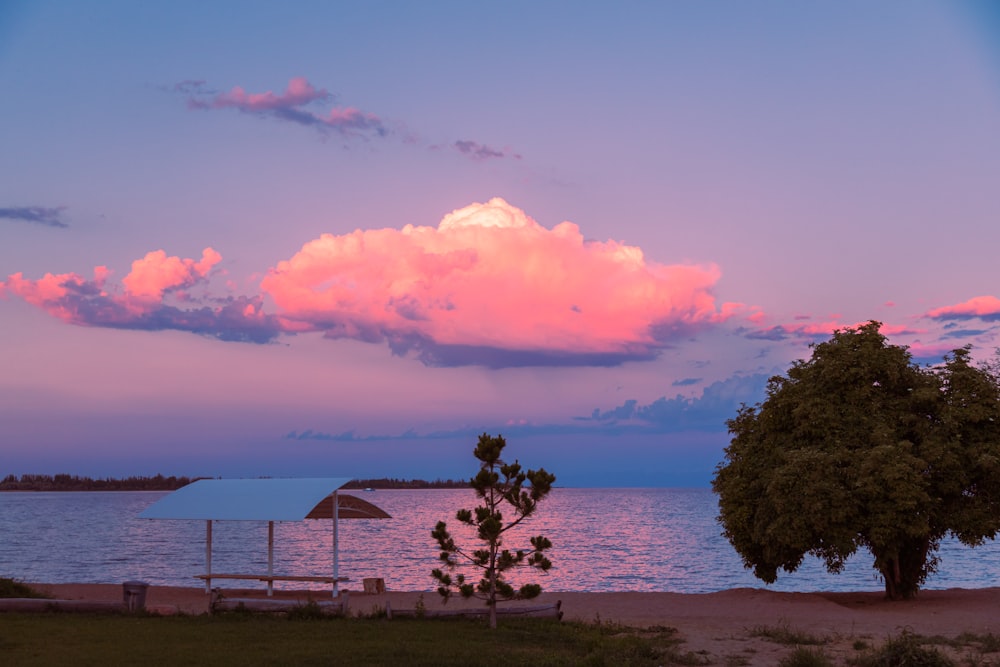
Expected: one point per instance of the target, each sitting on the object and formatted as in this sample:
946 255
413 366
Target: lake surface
603 540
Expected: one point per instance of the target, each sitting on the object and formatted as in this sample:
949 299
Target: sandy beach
720 625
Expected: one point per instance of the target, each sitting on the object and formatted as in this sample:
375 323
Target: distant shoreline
65 482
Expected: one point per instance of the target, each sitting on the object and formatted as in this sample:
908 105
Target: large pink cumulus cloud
143 301
491 286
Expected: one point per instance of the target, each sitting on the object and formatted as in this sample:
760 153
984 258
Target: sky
345 239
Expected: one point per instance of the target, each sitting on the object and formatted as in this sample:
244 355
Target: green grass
238 639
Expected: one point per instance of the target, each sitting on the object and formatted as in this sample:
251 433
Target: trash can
135 595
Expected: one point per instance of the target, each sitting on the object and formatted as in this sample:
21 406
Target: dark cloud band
39 215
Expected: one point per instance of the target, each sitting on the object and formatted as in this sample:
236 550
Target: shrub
905 650
785 635
11 588
804 657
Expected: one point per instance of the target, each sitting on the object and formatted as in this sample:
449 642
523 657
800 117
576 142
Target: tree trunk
905 570
493 590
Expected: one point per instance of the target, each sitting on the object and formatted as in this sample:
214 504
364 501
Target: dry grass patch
786 636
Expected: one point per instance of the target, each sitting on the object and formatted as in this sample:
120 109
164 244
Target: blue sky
740 179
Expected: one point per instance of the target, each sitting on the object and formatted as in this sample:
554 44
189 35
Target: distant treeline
77 483
160 483
392 483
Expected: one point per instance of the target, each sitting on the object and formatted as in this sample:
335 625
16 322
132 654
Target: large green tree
500 487
859 447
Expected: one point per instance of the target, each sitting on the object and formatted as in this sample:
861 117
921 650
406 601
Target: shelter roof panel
245 499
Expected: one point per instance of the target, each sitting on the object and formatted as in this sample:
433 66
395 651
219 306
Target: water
604 540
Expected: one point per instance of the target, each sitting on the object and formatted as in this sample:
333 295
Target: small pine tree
500 486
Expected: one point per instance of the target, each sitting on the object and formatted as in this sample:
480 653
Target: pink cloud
142 304
932 350
299 92
487 286
288 106
982 307
156 273
50 292
489 279
349 118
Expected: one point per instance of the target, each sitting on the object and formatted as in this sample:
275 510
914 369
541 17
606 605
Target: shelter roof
245 499
348 507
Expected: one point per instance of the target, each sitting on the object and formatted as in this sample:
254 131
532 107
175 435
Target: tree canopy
859 447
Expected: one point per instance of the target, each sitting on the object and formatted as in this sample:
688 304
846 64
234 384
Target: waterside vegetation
393 483
12 588
66 482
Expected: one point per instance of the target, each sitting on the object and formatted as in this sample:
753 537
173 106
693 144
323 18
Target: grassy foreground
236 639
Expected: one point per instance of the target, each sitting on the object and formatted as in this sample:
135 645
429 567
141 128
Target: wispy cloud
192 87
478 151
927 345
985 308
39 215
300 104
291 105
811 332
706 413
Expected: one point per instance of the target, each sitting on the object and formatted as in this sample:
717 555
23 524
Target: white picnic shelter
265 500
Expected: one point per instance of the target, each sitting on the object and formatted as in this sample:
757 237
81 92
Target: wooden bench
271 578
